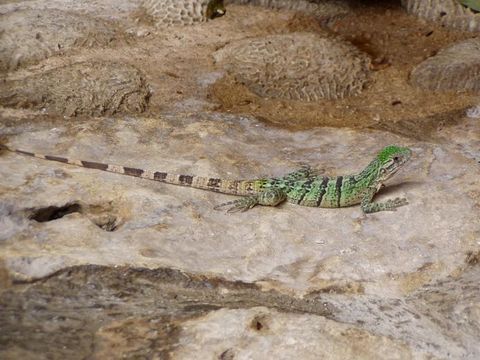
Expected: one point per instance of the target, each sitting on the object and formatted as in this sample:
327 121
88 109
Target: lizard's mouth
393 169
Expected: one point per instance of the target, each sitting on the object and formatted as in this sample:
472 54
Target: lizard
303 187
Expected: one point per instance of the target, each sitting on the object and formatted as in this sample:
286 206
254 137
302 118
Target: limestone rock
454 303
92 88
298 66
261 333
284 247
156 313
182 12
456 68
447 12
324 10
335 262
28 36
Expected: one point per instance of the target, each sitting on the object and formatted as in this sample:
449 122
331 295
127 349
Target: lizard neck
368 177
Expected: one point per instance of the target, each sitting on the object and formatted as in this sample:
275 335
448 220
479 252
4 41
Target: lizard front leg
268 197
368 206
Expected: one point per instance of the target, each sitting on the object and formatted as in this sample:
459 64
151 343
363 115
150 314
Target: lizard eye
396 158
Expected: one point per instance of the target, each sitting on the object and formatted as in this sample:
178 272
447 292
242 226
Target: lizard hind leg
269 197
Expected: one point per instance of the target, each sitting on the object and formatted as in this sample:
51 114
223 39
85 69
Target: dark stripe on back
94 165
306 189
159 176
323 190
56 158
338 189
132 171
24 152
185 179
212 182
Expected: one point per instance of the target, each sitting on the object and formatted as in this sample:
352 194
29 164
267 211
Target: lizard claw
240 205
392 205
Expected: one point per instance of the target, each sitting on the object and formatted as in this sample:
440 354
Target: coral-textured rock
182 12
447 12
455 68
28 36
325 10
91 88
298 66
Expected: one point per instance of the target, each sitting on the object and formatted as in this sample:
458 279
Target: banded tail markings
214 182
159 176
22 152
185 179
233 187
93 165
56 158
132 171
323 190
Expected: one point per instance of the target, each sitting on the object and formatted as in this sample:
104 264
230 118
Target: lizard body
302 187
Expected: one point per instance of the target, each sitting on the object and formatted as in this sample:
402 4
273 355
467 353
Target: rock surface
288 336
28 36
167 13
325 11
98 265
447 12
297 66
456 68
256 246
84 88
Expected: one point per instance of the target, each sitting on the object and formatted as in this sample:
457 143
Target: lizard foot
389 205
392 205
240 205
270 197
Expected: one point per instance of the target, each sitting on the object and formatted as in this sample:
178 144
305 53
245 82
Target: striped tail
232 187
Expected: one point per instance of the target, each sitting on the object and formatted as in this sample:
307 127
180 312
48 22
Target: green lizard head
390 159
215 8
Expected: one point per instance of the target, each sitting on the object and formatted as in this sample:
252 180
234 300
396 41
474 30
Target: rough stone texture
456 68
177 274
288 336
298 66
92 88
444 314
454 304
136 311
54 216
447 12
178 12
324 10
256 246
106 9
163 312
29 36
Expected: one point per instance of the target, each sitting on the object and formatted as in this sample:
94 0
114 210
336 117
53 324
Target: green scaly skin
305 189
302 187
471 4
